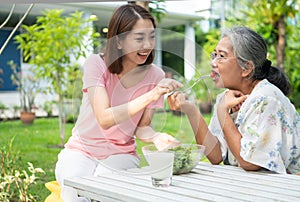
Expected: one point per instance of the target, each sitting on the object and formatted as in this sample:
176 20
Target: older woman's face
226 72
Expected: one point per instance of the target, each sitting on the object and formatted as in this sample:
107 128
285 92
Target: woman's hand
165 86
232 100
177 101
163 141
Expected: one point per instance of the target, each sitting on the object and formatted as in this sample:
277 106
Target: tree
51 45
270 19
156 8
278 22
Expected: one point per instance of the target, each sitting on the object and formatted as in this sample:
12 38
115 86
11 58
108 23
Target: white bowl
186 156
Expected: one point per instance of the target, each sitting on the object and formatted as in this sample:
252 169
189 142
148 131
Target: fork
190 87
197 81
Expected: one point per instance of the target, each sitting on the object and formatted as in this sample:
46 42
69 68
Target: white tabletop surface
205 183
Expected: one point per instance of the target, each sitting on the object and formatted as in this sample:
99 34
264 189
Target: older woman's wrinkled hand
232 101
178 101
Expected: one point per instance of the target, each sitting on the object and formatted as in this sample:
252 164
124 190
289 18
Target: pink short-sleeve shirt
87 135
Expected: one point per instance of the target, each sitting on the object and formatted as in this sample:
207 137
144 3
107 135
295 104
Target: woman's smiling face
138 43
226 72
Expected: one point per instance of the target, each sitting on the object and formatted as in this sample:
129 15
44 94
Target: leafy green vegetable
186 158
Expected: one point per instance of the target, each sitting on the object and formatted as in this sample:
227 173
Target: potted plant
28 87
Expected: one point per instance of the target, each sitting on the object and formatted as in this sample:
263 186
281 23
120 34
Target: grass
38 143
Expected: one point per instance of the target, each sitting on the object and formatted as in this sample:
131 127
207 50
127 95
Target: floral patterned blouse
270 128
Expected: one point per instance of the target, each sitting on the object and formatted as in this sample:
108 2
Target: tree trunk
62 120
144 4
280 46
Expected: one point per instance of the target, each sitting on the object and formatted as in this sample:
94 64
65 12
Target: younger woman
121 88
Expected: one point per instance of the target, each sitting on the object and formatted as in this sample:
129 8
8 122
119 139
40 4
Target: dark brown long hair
121 23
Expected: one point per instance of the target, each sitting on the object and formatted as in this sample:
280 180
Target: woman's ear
247 71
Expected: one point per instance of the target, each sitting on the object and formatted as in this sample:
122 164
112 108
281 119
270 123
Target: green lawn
37 143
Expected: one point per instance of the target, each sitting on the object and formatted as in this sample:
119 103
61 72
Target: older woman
254 125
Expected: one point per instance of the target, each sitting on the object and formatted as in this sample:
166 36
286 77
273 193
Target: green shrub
15 182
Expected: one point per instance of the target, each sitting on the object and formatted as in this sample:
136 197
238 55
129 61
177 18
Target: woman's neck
250 86
133 76
127 67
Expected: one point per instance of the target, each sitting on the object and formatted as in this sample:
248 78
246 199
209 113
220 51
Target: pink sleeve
93 71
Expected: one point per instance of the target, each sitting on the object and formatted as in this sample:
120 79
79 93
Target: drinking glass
161 165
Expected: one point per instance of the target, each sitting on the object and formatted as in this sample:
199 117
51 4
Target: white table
206 183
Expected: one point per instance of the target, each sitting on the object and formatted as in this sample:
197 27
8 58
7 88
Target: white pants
72 163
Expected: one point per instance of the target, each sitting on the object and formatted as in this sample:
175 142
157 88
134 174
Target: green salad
186 158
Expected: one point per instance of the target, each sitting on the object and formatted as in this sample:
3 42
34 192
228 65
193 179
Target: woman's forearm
118 114
146 133
233 138
108 116
203 136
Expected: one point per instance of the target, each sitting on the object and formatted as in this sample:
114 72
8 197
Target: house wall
10 52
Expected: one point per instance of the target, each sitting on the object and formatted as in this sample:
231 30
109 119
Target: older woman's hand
179 102
232 100
175 100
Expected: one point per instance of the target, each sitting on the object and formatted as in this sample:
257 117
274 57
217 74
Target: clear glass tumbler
161 165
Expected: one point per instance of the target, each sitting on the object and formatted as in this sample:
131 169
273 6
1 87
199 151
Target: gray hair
248 46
